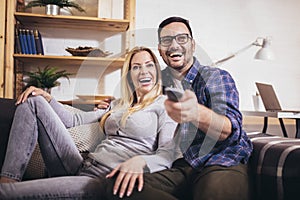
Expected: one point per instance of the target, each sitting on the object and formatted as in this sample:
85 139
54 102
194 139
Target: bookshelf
114 63
13 78
2 42
72 22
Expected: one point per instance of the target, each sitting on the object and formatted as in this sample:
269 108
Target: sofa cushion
275 166
6 116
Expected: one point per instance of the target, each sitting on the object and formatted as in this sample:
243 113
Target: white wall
221 27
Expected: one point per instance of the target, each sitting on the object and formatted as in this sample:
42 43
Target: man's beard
178 69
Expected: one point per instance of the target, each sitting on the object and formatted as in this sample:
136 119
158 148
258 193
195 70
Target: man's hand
186 110
35 92
130 171
189 110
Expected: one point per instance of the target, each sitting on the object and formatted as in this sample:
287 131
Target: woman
139 139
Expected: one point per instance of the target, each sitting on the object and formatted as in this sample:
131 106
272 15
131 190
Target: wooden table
277 114
80 102
85 105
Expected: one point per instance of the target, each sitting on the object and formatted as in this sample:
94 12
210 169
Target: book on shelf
24 46
28 41
31 39
29 45
38 42
18 48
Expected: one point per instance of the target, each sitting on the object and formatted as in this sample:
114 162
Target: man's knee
218 182
148 193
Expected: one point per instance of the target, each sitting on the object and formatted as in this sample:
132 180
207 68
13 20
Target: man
215 148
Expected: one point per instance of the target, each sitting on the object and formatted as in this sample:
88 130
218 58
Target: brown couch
274 166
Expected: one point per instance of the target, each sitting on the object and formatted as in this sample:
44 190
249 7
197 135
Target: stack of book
28 41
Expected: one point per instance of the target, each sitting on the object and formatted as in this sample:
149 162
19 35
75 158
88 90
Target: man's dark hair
171 20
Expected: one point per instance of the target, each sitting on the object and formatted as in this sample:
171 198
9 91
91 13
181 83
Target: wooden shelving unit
14 62
112 63
2 44
72 22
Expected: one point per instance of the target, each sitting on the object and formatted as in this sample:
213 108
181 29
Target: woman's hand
129 172
35 92
103 104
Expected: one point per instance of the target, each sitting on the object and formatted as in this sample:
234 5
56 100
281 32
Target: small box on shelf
111 9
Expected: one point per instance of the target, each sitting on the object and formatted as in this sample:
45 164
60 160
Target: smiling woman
139 139
142 80
143 73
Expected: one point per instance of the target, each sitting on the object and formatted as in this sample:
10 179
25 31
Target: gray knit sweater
148 132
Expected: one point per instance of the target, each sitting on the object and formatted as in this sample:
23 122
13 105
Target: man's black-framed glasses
182 38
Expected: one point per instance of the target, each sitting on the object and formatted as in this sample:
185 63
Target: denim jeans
71 177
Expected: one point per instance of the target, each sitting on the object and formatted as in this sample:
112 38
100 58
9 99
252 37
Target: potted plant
53 6
45 78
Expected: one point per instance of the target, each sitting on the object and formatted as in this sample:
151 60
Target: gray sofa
274 165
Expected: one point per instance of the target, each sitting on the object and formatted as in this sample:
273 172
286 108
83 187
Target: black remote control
174 94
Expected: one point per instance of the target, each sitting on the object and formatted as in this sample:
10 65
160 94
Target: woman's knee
38 104
27 108
37 100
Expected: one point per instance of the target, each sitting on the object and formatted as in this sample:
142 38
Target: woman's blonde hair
129 97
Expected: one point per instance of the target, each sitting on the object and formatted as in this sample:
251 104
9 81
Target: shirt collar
191 74
189 78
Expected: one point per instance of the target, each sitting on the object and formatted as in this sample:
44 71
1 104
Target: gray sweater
148 132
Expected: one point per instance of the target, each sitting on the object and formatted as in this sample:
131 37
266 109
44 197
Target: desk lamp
264 53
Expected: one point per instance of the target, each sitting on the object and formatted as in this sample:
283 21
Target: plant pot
52 9
65 11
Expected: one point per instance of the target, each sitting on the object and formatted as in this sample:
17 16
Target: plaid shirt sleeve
216 89
224 99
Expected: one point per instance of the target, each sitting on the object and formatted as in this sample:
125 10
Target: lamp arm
224 59
255 43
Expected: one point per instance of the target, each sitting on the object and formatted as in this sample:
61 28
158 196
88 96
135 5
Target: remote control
174 94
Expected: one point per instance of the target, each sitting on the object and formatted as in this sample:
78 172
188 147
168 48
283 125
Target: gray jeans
71 176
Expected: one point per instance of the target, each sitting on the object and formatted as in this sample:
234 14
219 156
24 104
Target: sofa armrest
275 167
7 107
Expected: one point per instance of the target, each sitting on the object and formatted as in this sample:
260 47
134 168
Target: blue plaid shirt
214 88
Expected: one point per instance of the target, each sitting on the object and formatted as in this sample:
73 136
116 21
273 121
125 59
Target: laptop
269 98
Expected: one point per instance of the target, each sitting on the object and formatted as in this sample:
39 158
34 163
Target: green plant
60 3
45 78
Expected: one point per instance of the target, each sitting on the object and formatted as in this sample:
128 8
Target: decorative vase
52 9
257 102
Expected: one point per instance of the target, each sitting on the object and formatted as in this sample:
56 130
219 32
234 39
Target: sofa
274 166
